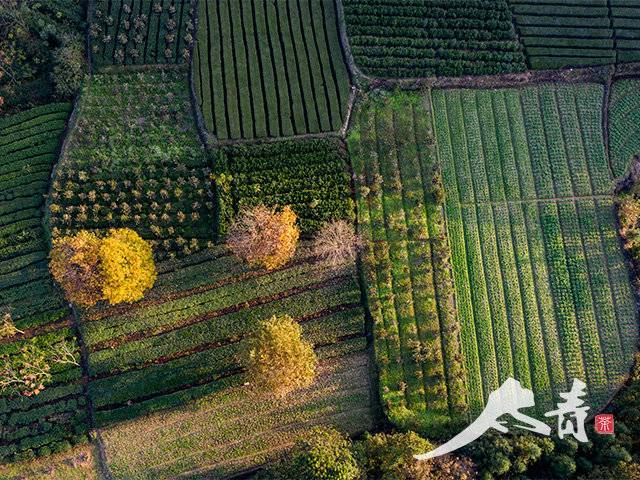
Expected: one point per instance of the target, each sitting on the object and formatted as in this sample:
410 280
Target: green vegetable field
182 343
136 32
136 140
49 422
409 282
578 33
624 129
542 287
309 175
422 38
270 69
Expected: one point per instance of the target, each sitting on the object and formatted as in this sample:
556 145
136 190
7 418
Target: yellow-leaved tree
127 266
75 265
117 268
264 236
279 360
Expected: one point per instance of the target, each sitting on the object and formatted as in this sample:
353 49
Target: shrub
390 456
69 68
264 236
127 265
336 244
75 265
279 360
324 454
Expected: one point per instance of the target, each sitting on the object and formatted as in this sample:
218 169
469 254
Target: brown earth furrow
129 310
225 342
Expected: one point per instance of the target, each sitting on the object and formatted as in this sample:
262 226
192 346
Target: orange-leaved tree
127 266
264 236
117 268
75 265
279 360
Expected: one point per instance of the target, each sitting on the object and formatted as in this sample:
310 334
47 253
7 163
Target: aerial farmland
319 239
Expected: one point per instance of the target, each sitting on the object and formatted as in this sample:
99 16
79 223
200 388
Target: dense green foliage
184 342
49 421
134 32
134 160
37 39
541 283
407 263
578 33
422 38
311 176
270 69
624 125
324 454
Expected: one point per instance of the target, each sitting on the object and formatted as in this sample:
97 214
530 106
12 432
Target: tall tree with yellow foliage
117 268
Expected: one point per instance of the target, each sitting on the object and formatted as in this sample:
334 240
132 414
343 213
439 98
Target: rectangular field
181 345
578 33
407 263
134 160
52 420
270 69
542 286
309 175
424 38
142 32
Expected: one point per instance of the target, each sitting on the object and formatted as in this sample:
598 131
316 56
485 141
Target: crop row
581 34
55 418
135 32
136 163
624 141
270 69
446 39
311 176
409 284
536 283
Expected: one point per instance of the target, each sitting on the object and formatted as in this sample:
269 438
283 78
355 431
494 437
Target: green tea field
182 343
270 69
51 421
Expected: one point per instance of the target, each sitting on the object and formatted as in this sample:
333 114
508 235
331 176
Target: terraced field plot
35 425
422 38
579 32
182 342
542 287
624 128
137 32
407 265
270 69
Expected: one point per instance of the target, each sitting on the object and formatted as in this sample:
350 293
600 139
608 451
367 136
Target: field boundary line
570 198
94 433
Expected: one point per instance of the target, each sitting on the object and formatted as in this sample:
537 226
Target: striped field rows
542 287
